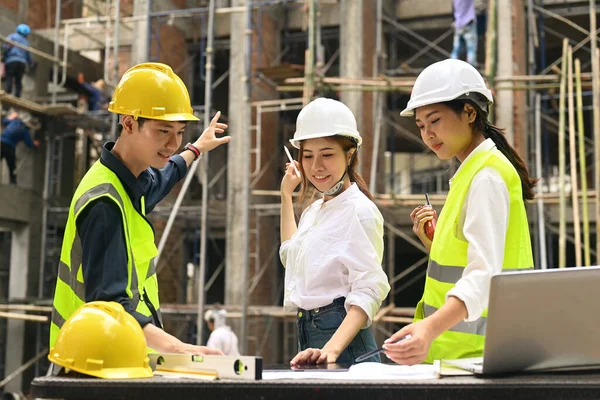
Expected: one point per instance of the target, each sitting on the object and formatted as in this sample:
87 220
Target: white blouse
336 252
483 223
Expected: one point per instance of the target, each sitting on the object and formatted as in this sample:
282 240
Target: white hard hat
448 80
324 118
216 316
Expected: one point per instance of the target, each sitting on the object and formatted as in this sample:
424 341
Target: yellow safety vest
448 256
69 295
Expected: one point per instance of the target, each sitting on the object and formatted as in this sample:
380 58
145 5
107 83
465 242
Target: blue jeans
316 327
466 37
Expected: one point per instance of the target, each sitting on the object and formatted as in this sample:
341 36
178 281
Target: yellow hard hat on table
101 339
153 91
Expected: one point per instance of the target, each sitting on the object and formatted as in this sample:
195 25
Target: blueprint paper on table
361 372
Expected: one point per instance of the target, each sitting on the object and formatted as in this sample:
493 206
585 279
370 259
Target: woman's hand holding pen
315 356
420 216
413 350
290 180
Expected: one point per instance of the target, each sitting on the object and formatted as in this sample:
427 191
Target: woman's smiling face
323 161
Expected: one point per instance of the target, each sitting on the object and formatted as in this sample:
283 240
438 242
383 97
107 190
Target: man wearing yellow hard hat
108 247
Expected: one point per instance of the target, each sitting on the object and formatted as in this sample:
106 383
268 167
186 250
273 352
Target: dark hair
481 124
140 121
307 190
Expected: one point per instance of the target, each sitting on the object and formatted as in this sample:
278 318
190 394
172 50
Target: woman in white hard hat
482 229
333 256
221 336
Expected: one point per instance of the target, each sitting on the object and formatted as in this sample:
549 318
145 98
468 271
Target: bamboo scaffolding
582 165
573 159
562 236
25 307
596 114
24 317
586 76
538 164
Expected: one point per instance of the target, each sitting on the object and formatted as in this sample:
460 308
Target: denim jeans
316 327
466 37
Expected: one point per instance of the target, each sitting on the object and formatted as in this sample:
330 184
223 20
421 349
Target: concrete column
351 54
504 98
239 161
511 105
140 47
519 64
15 332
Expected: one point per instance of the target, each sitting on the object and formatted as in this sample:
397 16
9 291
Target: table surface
581 385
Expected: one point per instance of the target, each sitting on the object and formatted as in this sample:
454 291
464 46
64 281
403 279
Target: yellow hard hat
101 339
153 91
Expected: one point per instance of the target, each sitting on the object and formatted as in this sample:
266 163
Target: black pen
377 351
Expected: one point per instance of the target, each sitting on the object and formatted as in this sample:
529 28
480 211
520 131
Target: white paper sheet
362 372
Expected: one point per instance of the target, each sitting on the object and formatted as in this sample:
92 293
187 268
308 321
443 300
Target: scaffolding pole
309 69
573 159
30 49
538 167
56 49
204 173
582 166
115 80
378 108
562 242
247 122
596 116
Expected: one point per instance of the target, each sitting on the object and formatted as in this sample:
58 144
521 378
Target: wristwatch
193 149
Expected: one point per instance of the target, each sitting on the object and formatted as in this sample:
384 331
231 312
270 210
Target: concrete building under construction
259 62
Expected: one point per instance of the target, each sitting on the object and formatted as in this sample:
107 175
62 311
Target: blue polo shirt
100 228
15 131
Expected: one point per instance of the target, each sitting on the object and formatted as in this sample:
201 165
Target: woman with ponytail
482 229
333 277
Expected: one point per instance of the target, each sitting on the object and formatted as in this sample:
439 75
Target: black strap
152 310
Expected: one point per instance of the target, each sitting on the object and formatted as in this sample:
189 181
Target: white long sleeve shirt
336 252
224 339
483 223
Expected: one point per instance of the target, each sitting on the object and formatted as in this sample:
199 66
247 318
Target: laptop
540 320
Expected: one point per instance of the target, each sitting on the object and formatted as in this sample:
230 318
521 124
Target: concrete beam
15 202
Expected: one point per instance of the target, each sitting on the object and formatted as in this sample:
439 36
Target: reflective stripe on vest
452 273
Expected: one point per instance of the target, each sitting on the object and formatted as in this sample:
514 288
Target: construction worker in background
333 277
16 60
95 95
16 128
221 336
482 229
465 30
108 247
109 343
